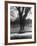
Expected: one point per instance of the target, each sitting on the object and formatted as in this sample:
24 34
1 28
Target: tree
22 19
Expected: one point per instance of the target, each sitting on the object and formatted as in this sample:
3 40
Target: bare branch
18 8
22 10
27 9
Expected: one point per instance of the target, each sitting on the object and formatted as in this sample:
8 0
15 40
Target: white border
20 40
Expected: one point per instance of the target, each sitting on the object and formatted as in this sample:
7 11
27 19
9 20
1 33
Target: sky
14 13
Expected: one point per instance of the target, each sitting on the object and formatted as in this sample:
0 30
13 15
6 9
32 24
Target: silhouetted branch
18 8
22 10
27 9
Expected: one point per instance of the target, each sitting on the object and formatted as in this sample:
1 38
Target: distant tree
22 19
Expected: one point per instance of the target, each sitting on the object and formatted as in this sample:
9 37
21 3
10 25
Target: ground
26 35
